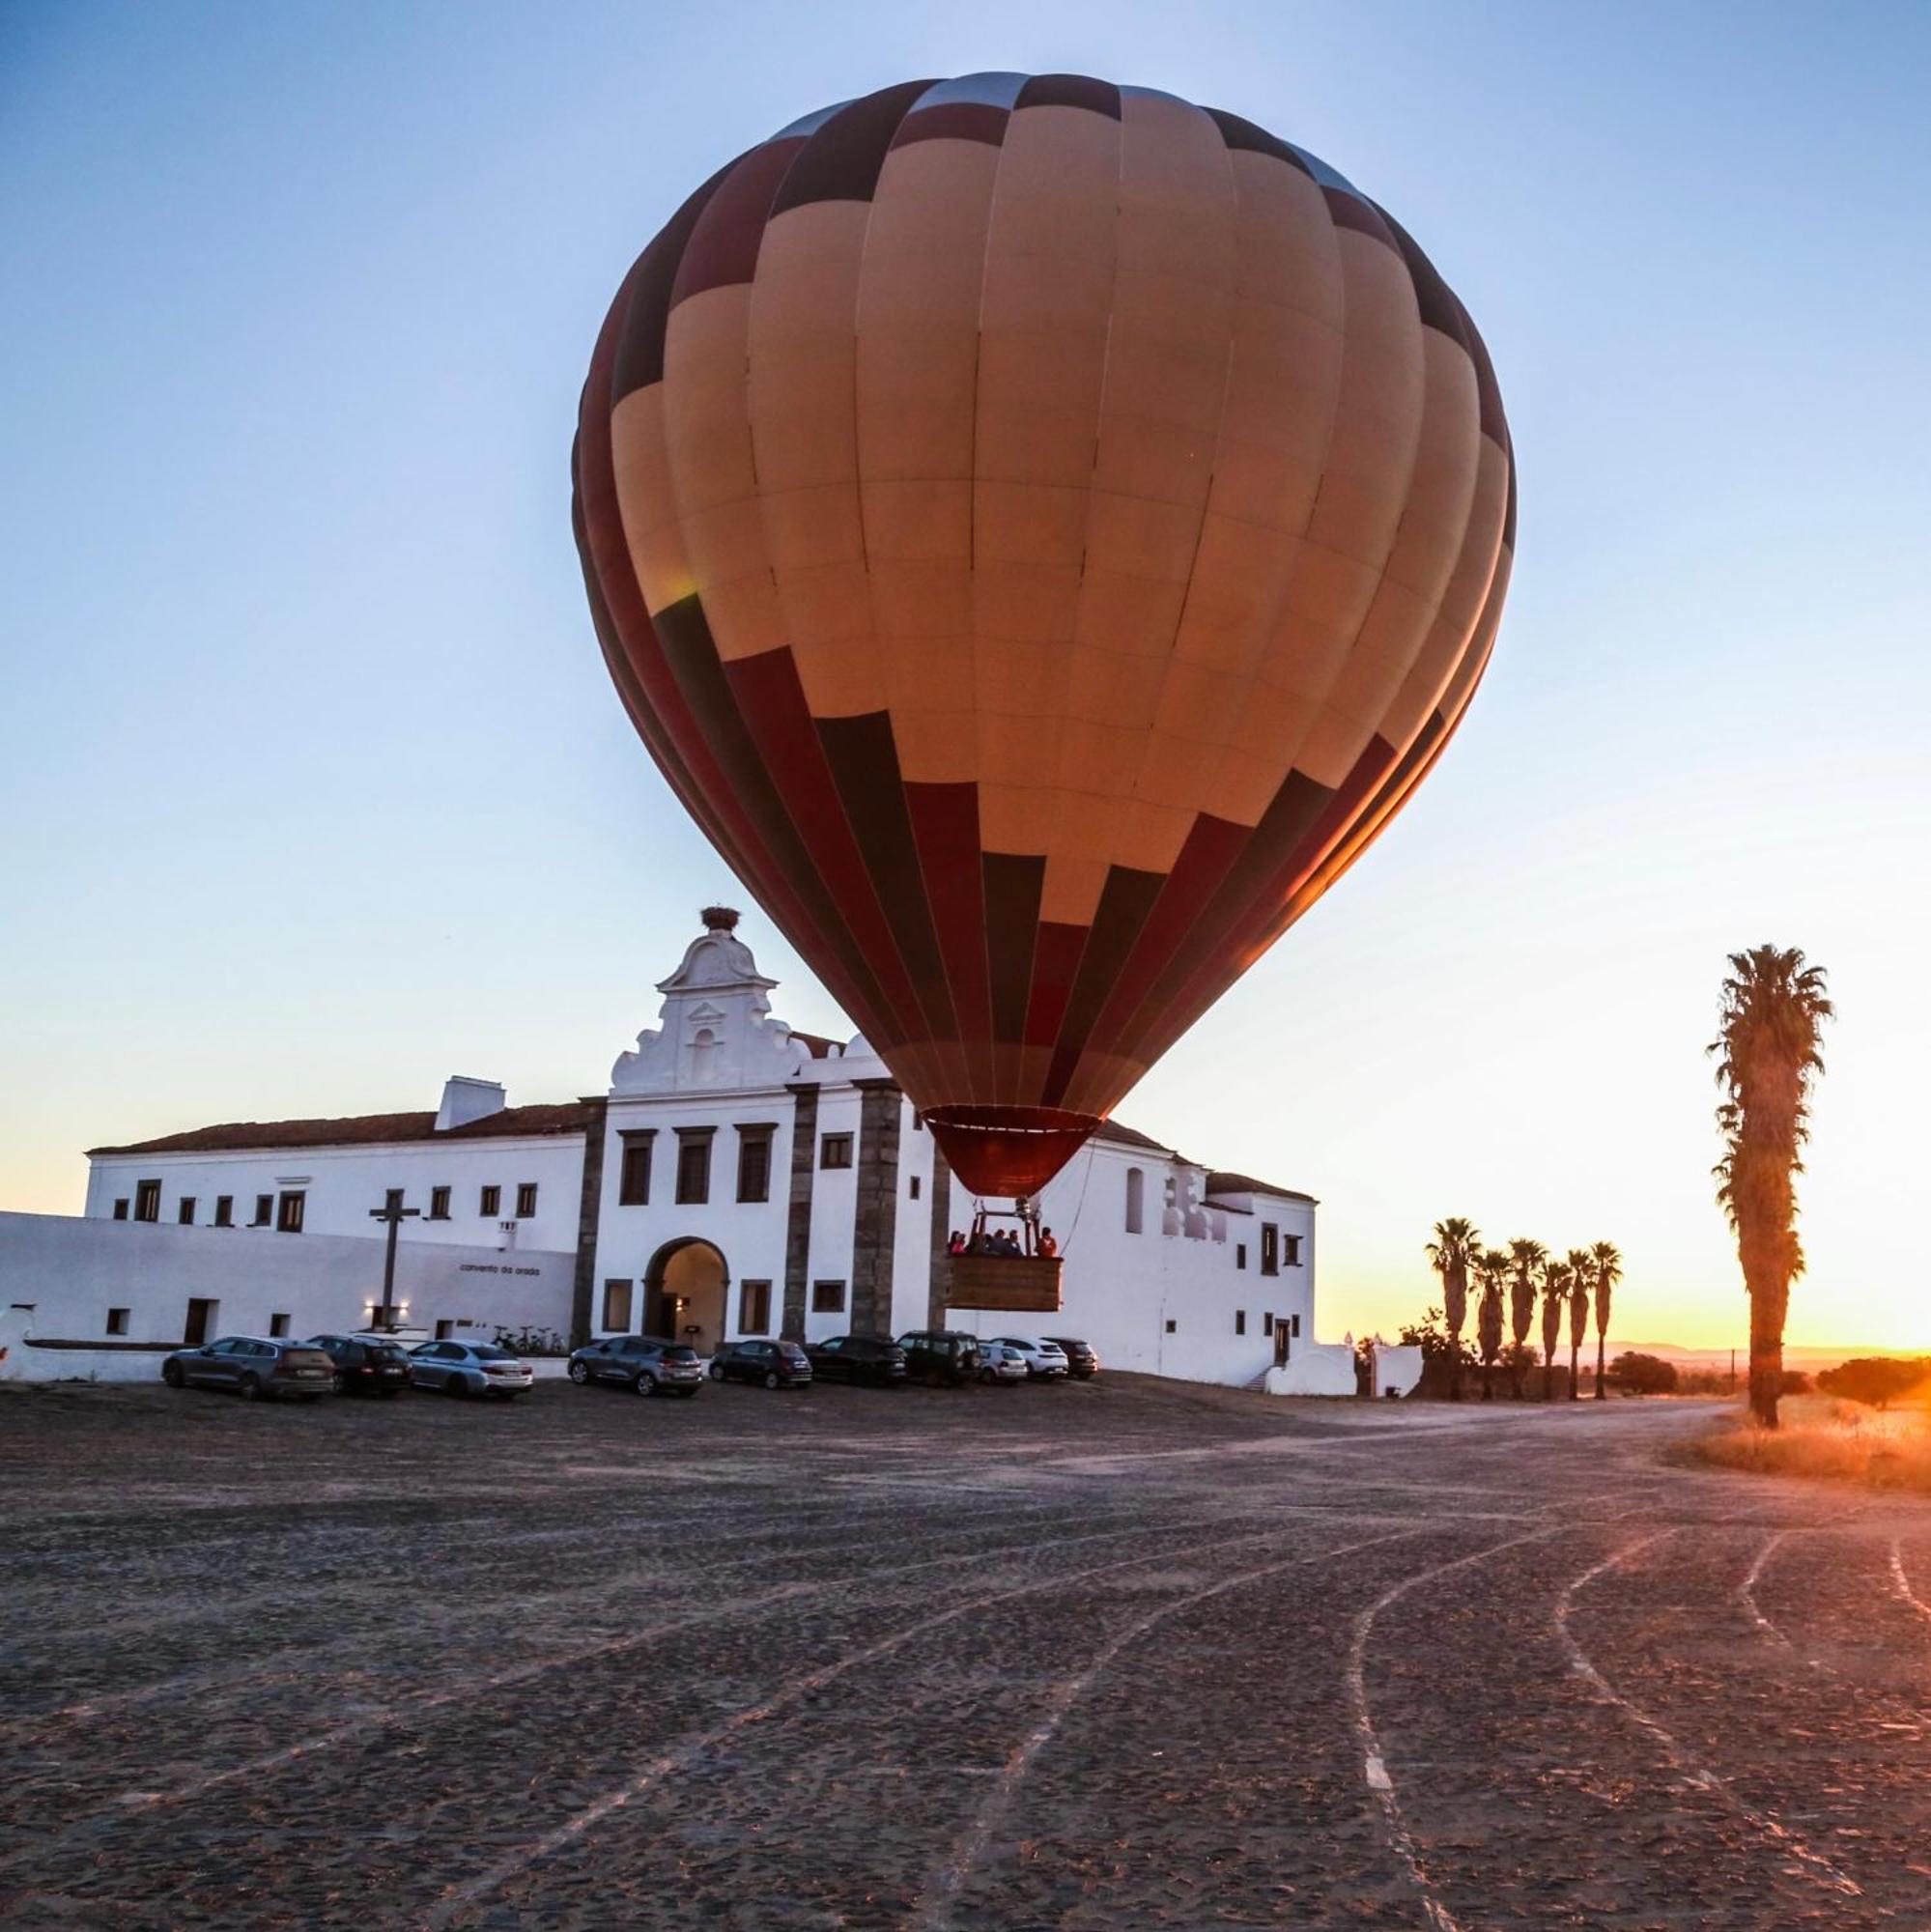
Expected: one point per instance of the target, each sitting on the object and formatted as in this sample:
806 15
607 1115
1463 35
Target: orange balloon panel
1043 530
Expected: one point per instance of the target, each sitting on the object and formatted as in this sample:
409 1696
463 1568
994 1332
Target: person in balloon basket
956 1242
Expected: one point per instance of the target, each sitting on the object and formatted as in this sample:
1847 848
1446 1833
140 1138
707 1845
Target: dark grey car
254 1365
646 1363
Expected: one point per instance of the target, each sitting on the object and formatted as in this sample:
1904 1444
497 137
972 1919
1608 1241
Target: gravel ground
1091 1657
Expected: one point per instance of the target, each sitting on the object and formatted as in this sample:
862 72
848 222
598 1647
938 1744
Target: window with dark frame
1240 1322
277 1326
117 1321
147 1201
490 1203
634 1170
1297 1326
754 1308
265 1210
827 1297
525 1200
224 1211
1172 1326
1136 1200
835 1151
693 1165
393 1199
754 1164
289 1212
438 1203
915 1187
1270 1248
1266 1324
120 1209
1291 1245
617 1305
1240 1254
185 1213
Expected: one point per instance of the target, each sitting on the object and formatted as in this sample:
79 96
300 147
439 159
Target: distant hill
1810 1359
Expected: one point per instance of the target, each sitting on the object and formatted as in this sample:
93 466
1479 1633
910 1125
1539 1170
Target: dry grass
1830 1440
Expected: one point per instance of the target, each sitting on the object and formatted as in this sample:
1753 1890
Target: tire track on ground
460 1898
1816 1867
933 1913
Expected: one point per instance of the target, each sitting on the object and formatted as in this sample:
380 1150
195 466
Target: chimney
465 1100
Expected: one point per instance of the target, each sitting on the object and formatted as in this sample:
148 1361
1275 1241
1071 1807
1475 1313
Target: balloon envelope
1043 530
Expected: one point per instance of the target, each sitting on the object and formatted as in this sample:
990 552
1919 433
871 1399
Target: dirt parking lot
1091 1657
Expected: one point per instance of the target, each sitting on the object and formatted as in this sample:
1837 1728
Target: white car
1044 1360
998 1363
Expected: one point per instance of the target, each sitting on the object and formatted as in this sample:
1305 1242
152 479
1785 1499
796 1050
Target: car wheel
251 1388
645 1382
338 1383
580 1373
716 1372
171 1375
771 1379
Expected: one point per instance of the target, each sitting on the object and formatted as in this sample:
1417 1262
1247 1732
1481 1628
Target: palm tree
1455 1246
1554 1299
1605 1265
1579 1314
1526 1257
1492 1268
1769 1035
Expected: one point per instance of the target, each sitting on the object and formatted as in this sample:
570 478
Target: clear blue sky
313 788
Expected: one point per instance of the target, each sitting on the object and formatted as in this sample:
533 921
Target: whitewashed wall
1121 1289
749 1235
60 1274
343 1184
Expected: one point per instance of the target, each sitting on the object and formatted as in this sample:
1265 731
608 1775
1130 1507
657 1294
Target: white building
736 1177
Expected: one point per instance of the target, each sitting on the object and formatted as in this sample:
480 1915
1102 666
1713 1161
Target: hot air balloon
1043 530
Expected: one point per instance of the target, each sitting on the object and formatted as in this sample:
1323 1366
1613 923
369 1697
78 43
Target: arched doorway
684 1289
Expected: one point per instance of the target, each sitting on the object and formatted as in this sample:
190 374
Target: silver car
996 1363
1043 1359
468 1367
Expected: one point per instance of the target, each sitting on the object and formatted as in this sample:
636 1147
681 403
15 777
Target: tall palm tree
1554 1299
1492 1269
1605 1266
1451 1254
1769 1034
1526 1259
1579 1314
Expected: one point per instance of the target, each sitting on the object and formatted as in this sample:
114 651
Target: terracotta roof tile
363 1130
1222 1182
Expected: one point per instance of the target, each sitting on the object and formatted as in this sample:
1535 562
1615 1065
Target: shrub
1878 1380
1643 1374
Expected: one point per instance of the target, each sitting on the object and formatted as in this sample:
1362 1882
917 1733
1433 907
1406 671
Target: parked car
1045 1361
775 1364
996 1363
647 1363
364 1364
258 1366
1082 1358
940 1354
858 1358
468 1367
408 1340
